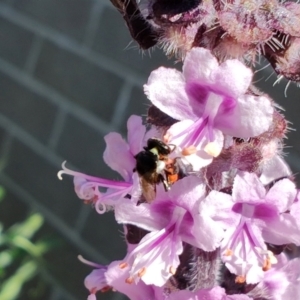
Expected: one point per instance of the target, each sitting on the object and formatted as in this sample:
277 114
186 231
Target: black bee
154 166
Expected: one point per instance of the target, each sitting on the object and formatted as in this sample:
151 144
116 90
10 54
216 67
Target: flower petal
136 133
282 194
116 278
232 78
247 188
118 156
139 215
198 66
166 90
207 233
273 169
218 206
251 116
282 230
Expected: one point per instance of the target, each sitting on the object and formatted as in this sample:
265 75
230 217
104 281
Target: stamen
211 149
271 259
123 265
267 265
167 137
93 200
89 263
228 252
142 272
129 280
172 270
240 279
93 291
105 289
189 150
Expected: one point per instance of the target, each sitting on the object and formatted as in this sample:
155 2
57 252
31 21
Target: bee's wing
149 190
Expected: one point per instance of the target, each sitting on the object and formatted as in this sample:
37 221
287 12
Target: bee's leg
173 147
181 169
165 183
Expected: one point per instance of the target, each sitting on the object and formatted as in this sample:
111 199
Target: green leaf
2 193
29 227
6 258
25 244
10 289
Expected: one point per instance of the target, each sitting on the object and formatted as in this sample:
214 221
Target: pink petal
188 192
96 281
118 156
175 129
136 133
116 278
160 259
295 210
232 78
166 90
199 160
92 297
251 117
208 234
218 206
139 215
282 195
282 230
273 169
198 66
247 188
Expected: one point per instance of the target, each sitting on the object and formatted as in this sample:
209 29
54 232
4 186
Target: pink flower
251 217
216 293
209 100
280 283
119 156
117 276
173 218
104 278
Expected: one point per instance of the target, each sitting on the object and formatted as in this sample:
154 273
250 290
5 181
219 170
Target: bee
154 167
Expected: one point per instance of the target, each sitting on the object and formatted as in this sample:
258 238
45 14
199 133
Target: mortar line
33 55
5 149
53 220
65 42
121 104
82 218
57 128
92 26
54 97
29 141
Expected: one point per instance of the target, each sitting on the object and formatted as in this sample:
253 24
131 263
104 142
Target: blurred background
69 74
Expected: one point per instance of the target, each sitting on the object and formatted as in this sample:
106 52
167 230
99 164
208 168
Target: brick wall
69 73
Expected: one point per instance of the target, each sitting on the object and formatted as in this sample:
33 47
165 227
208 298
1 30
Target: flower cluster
207 203
230 29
